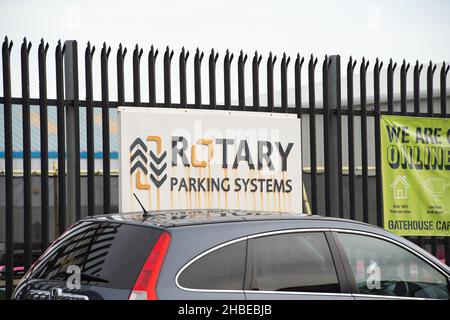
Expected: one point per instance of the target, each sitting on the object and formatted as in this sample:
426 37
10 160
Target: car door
294 264
382 268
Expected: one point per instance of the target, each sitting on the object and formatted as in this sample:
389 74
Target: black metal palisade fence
68 104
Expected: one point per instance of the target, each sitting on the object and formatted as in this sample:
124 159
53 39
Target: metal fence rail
68 104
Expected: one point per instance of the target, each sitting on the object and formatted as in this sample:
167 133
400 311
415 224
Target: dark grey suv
223 254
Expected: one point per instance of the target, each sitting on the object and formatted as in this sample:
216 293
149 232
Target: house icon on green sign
400 187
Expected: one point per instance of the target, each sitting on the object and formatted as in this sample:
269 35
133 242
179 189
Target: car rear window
108 254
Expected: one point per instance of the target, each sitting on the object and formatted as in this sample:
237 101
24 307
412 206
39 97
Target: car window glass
103 254
383 268
221 269
299 262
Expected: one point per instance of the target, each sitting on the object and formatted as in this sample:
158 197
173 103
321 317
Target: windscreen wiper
91 278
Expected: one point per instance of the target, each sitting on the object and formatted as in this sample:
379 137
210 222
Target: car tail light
145 286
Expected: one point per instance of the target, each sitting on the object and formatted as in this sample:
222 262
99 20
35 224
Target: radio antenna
143 208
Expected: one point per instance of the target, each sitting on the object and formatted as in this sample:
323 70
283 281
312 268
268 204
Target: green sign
416 175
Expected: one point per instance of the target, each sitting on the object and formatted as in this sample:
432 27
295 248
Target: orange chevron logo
147 165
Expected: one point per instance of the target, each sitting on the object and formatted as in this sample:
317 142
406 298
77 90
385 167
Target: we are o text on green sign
416 175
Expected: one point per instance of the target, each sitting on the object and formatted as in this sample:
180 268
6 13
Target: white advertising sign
199 159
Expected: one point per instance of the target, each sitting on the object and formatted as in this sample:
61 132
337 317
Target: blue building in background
53 141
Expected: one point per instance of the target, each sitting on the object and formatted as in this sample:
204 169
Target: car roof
175 218
167 219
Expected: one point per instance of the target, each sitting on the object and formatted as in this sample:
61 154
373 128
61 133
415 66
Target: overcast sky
388 28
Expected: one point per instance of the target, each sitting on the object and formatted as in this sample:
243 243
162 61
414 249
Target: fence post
43 124
104 56
212 78
72 131
379 185
227 79
312 132
332 136
26 127
89 53
9 186
62 217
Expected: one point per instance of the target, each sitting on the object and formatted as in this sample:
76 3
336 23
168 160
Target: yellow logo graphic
194 161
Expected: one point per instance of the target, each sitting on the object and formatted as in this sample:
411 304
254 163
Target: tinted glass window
222 269
299 262
107 254
383 268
